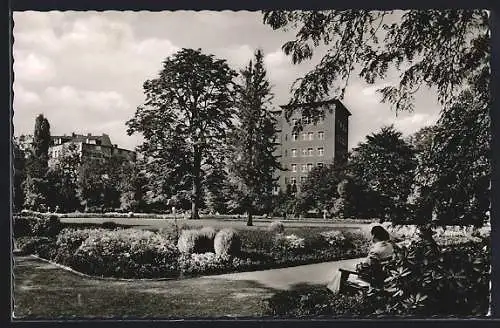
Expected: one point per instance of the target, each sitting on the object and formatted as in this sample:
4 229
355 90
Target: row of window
293 180
308 136
307 120
305 167
306 152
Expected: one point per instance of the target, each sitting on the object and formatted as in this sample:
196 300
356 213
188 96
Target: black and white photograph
273 164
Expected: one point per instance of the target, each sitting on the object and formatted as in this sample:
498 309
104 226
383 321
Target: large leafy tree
62 181
99 183
185 117
35 185
442 49
255 163
453 175
19 175
133 186
383 167
319 191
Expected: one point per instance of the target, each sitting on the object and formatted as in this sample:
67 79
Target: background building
88 146
319 143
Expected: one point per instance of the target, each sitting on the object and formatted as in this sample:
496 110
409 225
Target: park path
285 278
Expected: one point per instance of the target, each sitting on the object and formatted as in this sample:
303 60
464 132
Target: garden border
84 275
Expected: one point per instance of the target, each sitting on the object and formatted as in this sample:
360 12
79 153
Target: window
304 168
293 180
294 121
294 167
294 137
321 135
306 120
286 153
309 167
294 152
320 151
302 179
304 136
304 152
310 152
320 164
286 137
310 135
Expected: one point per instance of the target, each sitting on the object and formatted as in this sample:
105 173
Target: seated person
380 250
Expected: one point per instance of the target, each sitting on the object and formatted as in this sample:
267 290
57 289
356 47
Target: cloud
237 56
24 97
33 67
413 122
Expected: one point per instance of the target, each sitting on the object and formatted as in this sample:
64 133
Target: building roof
104 138
317 104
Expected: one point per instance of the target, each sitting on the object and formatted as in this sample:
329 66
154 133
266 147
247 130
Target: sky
85 70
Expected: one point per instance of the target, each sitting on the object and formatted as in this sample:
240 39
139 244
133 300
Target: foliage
454 171
288 244
37 226
276 227
67 243
319 191
254 140
196 241
382 167
307 300
227 242
62 180
133 186
36 245
19 175
127 253
443 49
35 185
454 282
184 119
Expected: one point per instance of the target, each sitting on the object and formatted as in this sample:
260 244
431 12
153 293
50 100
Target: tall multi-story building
318 143
88 146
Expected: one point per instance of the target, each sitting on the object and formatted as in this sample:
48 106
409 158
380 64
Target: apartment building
318 143
88 146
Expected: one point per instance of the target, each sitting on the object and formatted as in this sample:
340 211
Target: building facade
318 143
89 147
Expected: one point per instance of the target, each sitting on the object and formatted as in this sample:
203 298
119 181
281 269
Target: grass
44 291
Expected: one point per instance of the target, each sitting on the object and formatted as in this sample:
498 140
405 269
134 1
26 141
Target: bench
363 285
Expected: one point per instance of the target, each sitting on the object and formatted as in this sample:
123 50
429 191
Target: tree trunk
195 196
249 219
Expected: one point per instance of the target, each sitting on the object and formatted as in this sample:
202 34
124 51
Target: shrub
36 245
305 301
67 243
227 242
207 235
205 263
127 253
194 241
455 282
288 244
277 227
48 226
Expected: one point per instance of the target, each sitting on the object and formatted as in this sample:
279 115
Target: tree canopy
442 49
383 167
185 117
254 139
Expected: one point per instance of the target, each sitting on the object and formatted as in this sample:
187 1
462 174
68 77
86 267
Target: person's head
379 234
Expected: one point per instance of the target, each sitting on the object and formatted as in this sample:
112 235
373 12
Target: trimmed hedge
48 226
227 242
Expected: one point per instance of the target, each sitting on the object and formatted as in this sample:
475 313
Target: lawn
43 291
